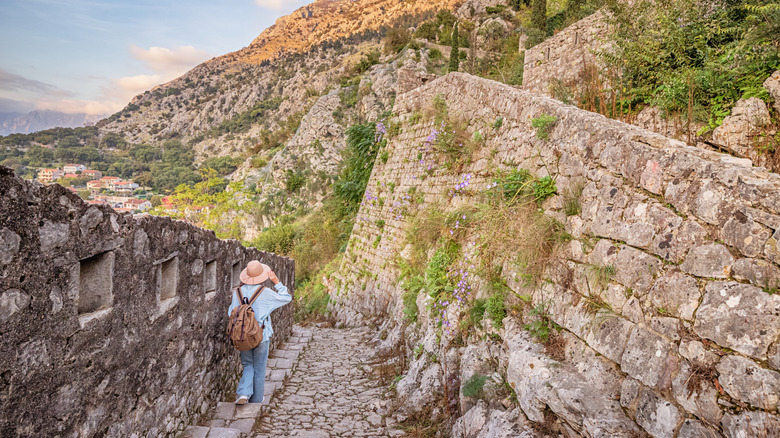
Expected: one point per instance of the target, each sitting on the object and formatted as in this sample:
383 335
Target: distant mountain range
19 123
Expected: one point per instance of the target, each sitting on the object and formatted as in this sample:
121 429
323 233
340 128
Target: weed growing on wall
543 125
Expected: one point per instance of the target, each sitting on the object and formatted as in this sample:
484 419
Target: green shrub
496 309
279 239
543 125
541 326
474 386
311 302
295 180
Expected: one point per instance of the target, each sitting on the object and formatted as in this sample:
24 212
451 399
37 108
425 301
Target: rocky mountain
13 123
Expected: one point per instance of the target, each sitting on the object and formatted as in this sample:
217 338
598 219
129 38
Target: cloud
166 64
15 106
169 61
277 4
14 82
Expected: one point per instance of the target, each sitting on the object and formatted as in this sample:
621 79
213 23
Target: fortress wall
113 324
690 235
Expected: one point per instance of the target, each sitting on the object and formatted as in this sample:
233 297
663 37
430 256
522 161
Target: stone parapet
113 324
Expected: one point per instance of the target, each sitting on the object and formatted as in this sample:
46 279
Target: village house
138 204
125 187
48 176
73 168
92 174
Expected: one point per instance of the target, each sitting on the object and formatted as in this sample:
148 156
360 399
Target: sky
93 56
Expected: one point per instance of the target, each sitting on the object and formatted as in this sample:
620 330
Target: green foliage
361 152
455 52
571 199
543 125
602 275
435 55
279 239
544 188
369 59
694 57
541 326
241 122
495 308
477 311
539 15
222 165
311 301
498 123
349 96
474 386
396 39
384 156
436 280
412 282
295 180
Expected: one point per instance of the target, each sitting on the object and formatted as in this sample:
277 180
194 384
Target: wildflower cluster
381 130
464 183
400 208
424 153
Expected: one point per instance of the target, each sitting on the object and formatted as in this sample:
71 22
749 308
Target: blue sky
94 55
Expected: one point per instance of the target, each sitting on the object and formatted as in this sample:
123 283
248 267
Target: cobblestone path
331 393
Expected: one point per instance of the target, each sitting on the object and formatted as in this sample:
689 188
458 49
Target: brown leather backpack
243 330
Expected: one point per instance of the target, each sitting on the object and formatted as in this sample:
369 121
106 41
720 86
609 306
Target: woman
252 383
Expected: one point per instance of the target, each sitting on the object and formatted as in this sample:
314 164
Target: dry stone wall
691 237
112 324
564 56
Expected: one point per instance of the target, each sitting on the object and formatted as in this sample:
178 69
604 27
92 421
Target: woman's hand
273 277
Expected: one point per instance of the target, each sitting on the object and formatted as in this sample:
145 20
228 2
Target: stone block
244 425
743 233
12 301
629 392
636 269
53 235
750 424
667 326
758 272
224 432
695 391
609 335
772 247
739 316
9 245
656 415
696 429
673 244
675 293
225 410
196 432
746 381
649 358
249 410
697 355
710 261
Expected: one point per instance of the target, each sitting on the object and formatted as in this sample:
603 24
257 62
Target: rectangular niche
95 283
169 278
236 277
210 279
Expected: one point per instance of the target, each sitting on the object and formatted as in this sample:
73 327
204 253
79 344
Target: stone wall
564 56
112 324
690 235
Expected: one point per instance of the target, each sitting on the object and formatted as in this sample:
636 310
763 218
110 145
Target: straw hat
255 273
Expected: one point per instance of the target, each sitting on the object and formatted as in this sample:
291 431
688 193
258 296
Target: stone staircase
231 421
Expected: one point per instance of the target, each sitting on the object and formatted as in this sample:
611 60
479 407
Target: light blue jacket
267 302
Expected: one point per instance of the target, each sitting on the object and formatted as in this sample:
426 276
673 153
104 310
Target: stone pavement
231 421
332 392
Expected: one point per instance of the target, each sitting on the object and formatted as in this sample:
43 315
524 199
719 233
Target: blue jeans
252 382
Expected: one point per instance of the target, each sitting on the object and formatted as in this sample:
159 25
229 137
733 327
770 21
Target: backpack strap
256 294
240 296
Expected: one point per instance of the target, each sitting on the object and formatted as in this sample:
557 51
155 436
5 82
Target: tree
455 53
539 15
